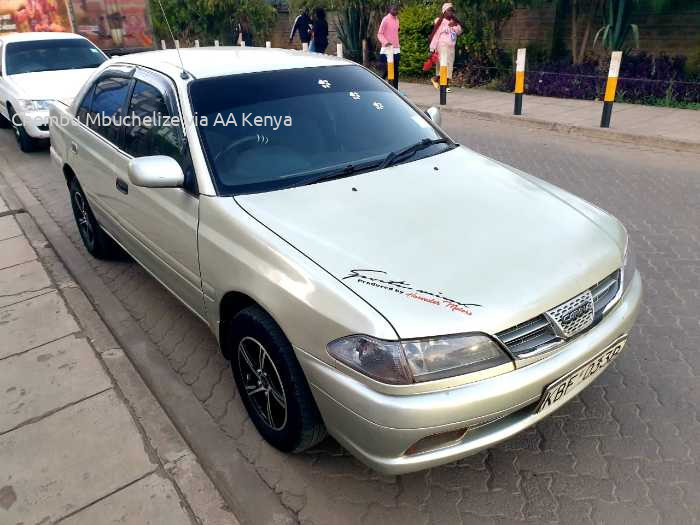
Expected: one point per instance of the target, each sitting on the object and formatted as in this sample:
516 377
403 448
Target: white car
363 272
36 68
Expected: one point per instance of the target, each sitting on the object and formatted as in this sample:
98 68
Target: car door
94 151
160 223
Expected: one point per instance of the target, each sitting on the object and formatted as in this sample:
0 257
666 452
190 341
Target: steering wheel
247 141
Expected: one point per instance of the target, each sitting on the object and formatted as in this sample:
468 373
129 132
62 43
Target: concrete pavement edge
580 131
202 463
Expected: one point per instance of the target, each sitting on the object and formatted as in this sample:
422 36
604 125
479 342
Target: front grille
529 336
536 334
603 292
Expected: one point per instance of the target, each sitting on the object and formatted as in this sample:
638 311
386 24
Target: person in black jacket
319 37
302 24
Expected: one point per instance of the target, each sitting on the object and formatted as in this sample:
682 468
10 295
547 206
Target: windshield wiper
340 172
393 157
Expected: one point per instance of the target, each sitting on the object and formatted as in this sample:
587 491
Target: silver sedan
366 276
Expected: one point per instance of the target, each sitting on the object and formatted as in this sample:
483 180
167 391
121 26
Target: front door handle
74 147
122 186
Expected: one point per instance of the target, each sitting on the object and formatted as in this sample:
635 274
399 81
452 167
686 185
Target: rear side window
107 107
152 129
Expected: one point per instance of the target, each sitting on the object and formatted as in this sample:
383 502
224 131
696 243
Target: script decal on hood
379 279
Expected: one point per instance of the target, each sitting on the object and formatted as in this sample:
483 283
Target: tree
583 13
209 20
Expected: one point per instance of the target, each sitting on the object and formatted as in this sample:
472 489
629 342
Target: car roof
32 36
204 62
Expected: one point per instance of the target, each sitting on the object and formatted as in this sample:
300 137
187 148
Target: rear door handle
122 186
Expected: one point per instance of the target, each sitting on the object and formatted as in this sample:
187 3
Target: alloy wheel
81 216
262 383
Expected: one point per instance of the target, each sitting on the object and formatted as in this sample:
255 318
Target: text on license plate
558 390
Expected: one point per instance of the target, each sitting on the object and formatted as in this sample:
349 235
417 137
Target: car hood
51 85
448 244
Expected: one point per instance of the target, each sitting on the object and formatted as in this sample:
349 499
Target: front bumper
36 123
378 428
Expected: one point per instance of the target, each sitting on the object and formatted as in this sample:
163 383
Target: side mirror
157 171
434 114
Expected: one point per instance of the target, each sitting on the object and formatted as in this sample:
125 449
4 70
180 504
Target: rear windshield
51 55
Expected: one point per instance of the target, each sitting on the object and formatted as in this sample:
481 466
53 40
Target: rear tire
272 384
95 240
26 143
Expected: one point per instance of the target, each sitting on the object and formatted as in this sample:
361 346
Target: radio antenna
183 75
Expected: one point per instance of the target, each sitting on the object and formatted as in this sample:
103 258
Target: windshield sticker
379 279
324 84
378 105
354 95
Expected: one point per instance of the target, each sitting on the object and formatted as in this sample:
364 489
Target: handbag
432 60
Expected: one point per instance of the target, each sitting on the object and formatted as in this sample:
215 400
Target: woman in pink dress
443 39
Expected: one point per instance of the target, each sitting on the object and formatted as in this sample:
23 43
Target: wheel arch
68 173
231 303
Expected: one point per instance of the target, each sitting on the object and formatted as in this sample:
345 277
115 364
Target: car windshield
51 55
278 129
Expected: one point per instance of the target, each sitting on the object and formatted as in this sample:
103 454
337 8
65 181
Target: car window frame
111 72
165 87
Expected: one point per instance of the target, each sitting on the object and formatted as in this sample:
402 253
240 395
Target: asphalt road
626 451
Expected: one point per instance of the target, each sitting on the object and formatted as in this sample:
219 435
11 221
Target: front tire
95 240
26 143
272 384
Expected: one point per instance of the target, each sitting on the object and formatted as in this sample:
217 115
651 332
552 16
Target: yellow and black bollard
443 77
610 88
519 81
339 50
390 64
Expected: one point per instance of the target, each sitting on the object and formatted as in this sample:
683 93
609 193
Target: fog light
436 441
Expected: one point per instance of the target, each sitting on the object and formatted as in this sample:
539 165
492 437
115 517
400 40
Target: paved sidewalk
646 125
70 448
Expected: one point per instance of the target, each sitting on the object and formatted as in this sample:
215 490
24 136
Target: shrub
416 26
644 78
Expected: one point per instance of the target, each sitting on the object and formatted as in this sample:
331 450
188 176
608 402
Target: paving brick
34 322
15 250
9 228
152 499
605 457
47 378
22 282
88 457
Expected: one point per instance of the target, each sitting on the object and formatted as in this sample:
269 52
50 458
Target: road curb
580 131
253 501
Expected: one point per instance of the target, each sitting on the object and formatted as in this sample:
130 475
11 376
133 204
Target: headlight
452 356
380 360
405 362
629 266
34 105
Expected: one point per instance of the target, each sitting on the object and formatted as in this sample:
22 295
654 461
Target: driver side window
151 131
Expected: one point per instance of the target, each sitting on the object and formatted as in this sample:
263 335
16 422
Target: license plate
561 390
